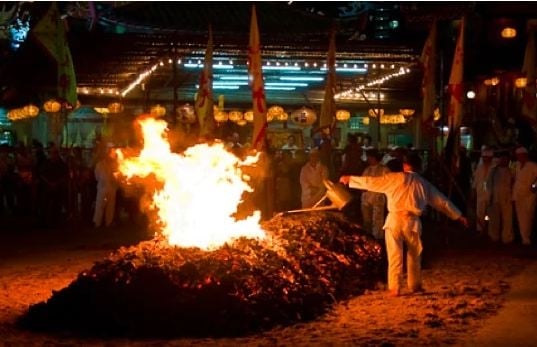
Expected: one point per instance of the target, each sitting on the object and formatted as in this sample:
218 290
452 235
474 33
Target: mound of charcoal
152 290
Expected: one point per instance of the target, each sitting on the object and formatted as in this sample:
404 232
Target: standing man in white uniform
523 195
500 209
408 195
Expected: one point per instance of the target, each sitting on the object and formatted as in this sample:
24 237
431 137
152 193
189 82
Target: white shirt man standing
408 195
523 196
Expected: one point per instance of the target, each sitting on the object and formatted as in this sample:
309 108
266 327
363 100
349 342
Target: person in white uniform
523 195
481 177
500 210
312 175
107 186
408 194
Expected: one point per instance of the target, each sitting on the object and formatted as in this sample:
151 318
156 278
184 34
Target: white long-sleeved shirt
481 177
499 184
524 177
407 193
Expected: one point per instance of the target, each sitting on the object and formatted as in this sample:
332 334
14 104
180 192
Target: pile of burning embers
152 289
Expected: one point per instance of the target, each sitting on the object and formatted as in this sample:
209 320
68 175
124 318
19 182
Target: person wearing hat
482 192
373 204
407 194
523 195
312 175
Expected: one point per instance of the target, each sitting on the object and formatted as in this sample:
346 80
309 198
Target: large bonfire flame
195 193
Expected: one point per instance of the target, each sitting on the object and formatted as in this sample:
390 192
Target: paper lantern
508 33
52 106
31 110
274 112
221 116
235 116
343 115
304 116
521 82
249 116
407 112
282 117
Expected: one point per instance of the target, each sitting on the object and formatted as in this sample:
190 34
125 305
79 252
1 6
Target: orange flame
197 193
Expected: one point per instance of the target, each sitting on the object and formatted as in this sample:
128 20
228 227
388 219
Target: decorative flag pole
529 102
428 85
257 85
204 98
327 119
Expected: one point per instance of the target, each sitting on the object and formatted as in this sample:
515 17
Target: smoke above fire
194 194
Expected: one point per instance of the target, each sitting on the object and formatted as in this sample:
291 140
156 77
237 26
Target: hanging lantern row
304 116
29 111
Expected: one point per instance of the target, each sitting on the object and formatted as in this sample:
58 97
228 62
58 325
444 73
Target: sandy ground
465 286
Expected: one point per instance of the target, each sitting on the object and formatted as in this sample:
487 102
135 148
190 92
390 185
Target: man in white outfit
408 195
312 175
500 209
107 186
481 177
523 196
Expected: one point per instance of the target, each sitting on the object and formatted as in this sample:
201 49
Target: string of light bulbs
355 92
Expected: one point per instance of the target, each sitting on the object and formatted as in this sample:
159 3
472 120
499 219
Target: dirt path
463 288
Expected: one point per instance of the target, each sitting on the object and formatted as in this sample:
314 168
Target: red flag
255 72
328 108
50 32
428 83
455 83
529 103
204 97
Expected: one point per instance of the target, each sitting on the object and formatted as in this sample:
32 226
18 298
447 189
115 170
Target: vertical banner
456 90
204 98
428 84
529 103
51 34
255 71
328 108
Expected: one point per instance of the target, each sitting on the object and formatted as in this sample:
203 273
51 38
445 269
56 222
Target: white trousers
525 214
105 204
501 218
407 232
